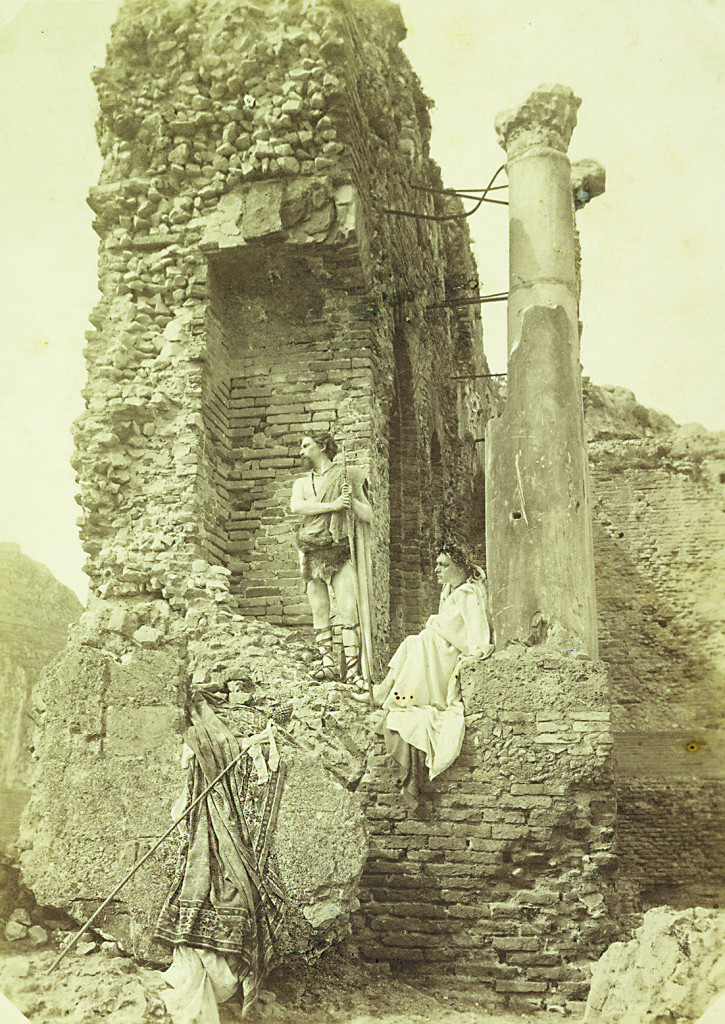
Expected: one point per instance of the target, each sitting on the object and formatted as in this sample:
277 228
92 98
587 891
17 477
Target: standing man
331 501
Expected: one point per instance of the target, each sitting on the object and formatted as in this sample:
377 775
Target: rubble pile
250 664
611 411
107 989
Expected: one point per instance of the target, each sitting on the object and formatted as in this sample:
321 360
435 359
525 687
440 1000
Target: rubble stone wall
255 283
503 872
659 522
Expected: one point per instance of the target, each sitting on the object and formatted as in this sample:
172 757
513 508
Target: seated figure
421 693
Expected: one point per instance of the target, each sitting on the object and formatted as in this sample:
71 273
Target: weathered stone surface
147 635
541 562
81 833
319 817
35 612
37 935
614 412
715 1011
109 745
549 678
588 180
83 988
21 916
321 847
672 969
14 930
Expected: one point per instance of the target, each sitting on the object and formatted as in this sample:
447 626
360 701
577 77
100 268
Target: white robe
421 693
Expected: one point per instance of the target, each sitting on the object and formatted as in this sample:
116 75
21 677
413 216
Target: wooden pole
366 663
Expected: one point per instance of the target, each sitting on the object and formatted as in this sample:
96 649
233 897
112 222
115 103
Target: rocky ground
673 969
100 987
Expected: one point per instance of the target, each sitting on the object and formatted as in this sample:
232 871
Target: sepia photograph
362 512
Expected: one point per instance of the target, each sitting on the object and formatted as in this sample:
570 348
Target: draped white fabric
200 980
421 692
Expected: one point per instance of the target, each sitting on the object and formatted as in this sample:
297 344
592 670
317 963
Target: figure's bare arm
299 505
363 509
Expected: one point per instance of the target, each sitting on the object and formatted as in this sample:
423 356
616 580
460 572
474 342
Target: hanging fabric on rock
226 906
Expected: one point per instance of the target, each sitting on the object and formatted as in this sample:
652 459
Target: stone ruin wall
253 287
659 523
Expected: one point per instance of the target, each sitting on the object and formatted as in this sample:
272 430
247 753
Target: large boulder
114 710
672 970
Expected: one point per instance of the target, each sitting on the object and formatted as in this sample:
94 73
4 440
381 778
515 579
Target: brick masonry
503 873
659 524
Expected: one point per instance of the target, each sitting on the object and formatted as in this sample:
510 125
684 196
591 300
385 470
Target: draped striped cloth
225 896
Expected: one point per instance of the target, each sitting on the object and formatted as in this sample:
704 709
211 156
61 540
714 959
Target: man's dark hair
457 554
324 441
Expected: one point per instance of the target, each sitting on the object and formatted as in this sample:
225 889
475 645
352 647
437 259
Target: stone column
538 525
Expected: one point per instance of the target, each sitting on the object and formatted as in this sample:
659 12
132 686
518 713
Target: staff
360 569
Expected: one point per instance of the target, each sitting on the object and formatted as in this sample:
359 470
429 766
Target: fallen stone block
117 805
14 931
37 935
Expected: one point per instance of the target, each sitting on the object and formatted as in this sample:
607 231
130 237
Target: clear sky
650 74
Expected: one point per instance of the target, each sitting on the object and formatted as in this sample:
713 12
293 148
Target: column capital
547 118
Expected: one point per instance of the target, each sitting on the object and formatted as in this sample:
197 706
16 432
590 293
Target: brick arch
284 353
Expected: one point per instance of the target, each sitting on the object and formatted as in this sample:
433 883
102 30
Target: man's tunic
322 538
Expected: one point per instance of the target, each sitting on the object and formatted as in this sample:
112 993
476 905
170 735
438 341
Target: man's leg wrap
323 638
351 654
